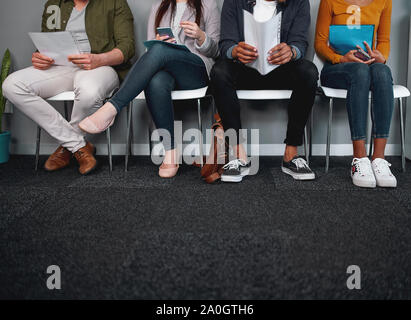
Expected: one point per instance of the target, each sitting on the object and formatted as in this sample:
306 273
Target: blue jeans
359 79
158 72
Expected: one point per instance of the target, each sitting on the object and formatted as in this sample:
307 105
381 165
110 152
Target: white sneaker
383 174
362 174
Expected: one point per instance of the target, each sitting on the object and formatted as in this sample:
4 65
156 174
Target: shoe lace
382 167
300 163
363 167
234 164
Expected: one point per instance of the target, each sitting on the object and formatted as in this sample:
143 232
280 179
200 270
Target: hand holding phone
166 34
362 55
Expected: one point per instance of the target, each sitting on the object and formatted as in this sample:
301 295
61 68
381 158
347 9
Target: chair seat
399 92
182 94
64 96
264 94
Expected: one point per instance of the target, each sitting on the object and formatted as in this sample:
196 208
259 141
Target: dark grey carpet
133 235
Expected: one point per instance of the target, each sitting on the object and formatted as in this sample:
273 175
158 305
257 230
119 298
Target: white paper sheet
55 45
264 36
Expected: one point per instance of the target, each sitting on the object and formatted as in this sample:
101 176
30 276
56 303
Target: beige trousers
27 89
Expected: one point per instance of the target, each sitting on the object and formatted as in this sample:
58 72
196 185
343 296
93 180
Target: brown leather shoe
85 159
58 160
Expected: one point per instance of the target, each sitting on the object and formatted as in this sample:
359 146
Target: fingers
171 40
246 46
42 58
371 61
78 56
279 47
81 61
368 48
41 66
286 57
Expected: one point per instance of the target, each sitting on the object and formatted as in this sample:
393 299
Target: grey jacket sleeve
151 34
212 30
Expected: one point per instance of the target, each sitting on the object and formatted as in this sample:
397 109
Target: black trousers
301 76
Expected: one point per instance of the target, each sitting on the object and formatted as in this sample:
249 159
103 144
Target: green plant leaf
5 69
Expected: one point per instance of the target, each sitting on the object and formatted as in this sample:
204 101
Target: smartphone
165 32
362 55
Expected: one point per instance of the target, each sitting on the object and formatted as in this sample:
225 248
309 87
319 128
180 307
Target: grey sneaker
298 169
235 170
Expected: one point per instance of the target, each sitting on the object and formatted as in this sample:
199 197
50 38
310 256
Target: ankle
290 153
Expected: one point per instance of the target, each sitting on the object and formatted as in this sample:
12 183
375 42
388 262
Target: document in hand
264 36
148 44
55 45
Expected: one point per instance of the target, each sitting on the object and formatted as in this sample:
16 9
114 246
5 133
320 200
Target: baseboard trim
264 149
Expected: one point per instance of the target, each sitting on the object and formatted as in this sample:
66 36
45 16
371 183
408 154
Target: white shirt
265 10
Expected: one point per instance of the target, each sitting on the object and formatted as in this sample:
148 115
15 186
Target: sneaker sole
234 179
362 184
299 176
382 185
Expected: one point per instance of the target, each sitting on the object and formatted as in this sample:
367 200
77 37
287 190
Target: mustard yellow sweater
340 12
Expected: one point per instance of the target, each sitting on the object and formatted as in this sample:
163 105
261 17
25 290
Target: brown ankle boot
58 160
85 159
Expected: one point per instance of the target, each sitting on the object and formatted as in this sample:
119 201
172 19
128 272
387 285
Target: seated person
104 32
231 73
163 68
359 77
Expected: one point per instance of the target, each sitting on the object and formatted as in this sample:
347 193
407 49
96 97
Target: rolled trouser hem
380 136
76 148
358 138
293 143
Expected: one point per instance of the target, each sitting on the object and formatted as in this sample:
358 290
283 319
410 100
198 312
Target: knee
8 87
381 73
220 73
89 96
13 86
308 72
361 73
160 84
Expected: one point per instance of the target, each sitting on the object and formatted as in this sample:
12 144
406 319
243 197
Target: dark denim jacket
294 28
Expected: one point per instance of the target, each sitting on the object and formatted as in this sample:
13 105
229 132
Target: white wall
18 17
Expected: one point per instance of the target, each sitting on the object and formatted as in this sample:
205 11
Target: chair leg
370 127
328 148
110 155
36 164
306 147
213 110
66 113
200 128
128 135
402 125
311 133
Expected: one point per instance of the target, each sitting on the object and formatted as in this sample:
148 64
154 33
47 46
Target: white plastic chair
273 95
400 92
66 97
196 94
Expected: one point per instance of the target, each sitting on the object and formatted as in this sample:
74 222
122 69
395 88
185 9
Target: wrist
99 59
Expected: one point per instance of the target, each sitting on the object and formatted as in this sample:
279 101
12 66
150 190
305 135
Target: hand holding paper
263 36
55 45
